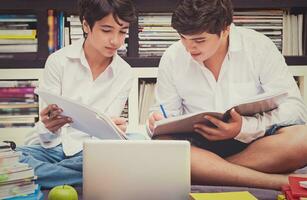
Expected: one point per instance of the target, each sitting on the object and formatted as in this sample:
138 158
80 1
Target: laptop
136 170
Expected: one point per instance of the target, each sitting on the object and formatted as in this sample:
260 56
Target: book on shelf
184 124
18 34
17 41
240 195
146 99
18 83
18 105
84 118
17 18
18 48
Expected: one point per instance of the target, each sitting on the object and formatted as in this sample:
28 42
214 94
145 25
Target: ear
85 26
226 31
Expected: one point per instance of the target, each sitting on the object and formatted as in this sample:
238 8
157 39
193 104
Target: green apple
63 192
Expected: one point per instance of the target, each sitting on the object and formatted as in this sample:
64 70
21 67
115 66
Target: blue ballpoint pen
163 111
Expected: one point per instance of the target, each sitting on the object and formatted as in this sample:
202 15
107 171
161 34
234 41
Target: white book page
85 119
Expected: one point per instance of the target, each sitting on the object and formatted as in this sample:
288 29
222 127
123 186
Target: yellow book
281 197
244 195
18 34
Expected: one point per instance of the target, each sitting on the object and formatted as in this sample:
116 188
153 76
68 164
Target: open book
85 119
184 123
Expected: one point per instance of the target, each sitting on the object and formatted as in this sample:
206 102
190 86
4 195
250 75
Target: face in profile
204 45
107 35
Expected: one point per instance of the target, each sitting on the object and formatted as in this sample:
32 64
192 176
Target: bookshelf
18 134
30 65
39 8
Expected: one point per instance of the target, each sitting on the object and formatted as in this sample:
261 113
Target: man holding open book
90 72
216 65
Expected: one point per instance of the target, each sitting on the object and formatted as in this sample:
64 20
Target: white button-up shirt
253 65
68 74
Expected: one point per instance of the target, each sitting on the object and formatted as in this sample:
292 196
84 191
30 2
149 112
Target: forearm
289 113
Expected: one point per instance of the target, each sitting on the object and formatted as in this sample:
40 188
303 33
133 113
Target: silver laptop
136 170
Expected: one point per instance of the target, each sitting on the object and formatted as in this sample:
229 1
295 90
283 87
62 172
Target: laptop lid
132 170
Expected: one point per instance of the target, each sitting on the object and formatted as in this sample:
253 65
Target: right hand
52 118
153 118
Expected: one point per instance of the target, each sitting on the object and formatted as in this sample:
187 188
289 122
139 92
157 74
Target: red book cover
297 190
287 192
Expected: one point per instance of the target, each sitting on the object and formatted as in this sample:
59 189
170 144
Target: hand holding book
84 118
53 119
220 130
185 123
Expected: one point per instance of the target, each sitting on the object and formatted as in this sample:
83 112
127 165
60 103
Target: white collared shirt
68 74
253 65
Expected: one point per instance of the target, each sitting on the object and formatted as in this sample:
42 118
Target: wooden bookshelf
169 5
39 8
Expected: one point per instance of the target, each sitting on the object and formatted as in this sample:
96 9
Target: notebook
131 170
85 119
249 107
241 195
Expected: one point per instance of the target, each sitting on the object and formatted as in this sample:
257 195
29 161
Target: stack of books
297 188
18 33
16 179
18 103
283 28
75 28
268 22
155 34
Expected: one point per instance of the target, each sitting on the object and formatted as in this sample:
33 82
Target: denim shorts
223 148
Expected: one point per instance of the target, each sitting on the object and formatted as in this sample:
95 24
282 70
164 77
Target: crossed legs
262 164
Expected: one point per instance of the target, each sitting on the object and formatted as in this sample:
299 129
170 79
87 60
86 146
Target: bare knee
296 143
297 137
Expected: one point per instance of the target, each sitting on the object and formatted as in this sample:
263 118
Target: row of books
146 99
292 34
57 31
268 22
283 28
18 33
155 34
18 103
16 179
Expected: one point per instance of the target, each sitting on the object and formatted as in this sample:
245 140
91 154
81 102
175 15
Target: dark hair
197 16
94 10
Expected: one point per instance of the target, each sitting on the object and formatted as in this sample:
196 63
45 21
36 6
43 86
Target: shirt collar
235 42
75 51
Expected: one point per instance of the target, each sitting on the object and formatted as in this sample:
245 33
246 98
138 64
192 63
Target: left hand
223 130
120 122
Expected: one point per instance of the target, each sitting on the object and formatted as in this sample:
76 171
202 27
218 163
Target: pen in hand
163 111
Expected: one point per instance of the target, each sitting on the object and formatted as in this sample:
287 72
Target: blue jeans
53 167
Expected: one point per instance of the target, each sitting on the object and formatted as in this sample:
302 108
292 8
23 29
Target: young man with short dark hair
215 65
91 72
